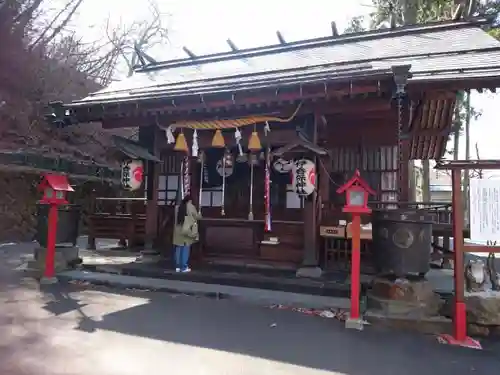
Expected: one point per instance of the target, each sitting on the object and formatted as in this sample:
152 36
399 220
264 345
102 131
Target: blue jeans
182 256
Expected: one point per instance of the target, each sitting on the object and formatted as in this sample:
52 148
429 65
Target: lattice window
211 197
168 186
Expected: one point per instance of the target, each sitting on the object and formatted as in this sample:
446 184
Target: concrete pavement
81 330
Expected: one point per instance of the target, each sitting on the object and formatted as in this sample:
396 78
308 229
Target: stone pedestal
48 280
65 257
403 298
311 272
483 308
354 324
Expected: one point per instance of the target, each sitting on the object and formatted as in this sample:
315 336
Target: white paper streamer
237 136
267 128
194 147
169 133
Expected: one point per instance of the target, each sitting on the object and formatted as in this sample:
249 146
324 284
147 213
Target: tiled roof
436 51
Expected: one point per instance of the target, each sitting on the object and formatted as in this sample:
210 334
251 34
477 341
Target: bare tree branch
51 24
64 23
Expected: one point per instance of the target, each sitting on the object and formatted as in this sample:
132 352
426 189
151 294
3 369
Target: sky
205 25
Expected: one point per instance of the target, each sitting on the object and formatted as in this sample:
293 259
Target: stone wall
18 197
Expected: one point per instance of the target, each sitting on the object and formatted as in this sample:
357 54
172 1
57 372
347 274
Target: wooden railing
123 219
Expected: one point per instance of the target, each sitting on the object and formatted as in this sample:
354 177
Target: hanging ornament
254 141
225 171
304 177
201 159
237 136
132 174
251 159
186 177
194 147
242 158
218 140
170 135
267 192
225 166
267 128
180 143
283 166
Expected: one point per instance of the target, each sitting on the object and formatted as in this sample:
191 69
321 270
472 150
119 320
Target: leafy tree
407 12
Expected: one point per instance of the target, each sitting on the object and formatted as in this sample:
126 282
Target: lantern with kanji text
132 174
304 177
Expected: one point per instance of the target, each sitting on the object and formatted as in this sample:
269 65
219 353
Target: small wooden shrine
263 137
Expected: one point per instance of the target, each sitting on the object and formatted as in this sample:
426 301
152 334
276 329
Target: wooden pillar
149 138
310 266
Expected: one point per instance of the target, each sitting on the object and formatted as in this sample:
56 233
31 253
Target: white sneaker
177 270
186 270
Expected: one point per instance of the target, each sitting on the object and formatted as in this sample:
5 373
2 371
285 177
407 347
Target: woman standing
185 233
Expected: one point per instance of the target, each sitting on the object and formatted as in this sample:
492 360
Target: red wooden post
356 191
460 321
51 242
355 265
55 188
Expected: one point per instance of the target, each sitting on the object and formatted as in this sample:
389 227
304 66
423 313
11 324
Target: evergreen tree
390 13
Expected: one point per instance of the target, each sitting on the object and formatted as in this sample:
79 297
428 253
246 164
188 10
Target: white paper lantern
281 165
132 174
304 177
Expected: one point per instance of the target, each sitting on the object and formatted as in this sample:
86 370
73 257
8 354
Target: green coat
179 238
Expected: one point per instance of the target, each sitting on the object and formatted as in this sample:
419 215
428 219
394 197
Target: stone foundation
66 257
404 298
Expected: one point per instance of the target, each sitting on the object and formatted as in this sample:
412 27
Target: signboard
484 210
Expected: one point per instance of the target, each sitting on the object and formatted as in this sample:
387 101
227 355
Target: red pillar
51 243
460 321
355 265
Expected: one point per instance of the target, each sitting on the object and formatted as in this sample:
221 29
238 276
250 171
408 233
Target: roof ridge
312 43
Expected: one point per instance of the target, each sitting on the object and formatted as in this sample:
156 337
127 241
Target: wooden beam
363 108
481 249
415 88
232 45
468 164
216 103
189 52
280 37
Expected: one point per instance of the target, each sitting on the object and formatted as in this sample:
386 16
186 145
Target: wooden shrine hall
262 138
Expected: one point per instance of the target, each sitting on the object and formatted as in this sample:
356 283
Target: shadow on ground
277 335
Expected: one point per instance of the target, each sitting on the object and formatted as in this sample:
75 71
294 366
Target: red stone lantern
54 188
357 192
